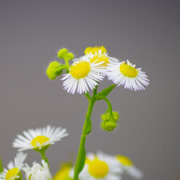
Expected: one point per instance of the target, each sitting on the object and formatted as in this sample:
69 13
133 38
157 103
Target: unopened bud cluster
52 72
109 121
64 54
55 68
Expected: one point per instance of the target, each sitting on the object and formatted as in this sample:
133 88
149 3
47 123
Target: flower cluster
80 75
101 166
38 140
98 166
88 70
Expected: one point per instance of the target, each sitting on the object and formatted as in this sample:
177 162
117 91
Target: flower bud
115 116
62 53
70 56
105 117
51 70
108 126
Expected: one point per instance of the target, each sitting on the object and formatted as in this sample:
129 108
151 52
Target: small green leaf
106 91
80 165
82 161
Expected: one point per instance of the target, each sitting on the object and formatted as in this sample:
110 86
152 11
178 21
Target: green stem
1 165
87 95
108 103
44 157
67 64
86 130
61 67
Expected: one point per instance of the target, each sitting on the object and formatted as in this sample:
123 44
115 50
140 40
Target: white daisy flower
39 138
129 168
14 168
98 54
126 74
37 171
82 76
101 167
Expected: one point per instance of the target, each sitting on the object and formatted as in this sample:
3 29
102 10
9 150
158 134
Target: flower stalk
1 165
44 157
87 125
86 130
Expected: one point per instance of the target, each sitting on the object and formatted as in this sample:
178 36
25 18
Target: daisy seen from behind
101 167
37 171
125 74
13 170
39 139
83 75
98 54
128 167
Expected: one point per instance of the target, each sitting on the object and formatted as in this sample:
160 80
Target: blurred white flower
129 168
37 171
13 170
39 138
101 166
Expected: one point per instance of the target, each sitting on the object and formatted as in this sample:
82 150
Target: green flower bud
105 116
70 56
62 53
115 116
103 125
108 126
51 70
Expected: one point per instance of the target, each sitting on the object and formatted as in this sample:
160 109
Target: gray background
146 32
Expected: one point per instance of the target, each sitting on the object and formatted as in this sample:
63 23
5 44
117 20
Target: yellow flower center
94 49
98 168
128 70
39 140
63 173
12 173
80 70
100 58
124 160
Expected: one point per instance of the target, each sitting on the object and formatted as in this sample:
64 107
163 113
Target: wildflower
98 54
39 138
101 167
37 171
126 74
82 76
128 166
14 168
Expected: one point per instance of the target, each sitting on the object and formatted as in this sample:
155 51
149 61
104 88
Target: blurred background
145 32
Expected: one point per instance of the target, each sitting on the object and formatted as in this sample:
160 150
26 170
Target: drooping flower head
125 74
101 167
83 75
128 167
98 54
37 171
14 168
39 138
